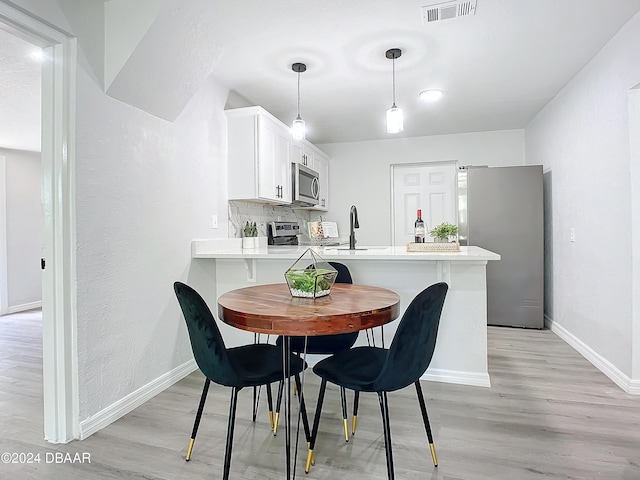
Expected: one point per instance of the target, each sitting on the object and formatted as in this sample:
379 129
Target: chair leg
270 403
196 424
303 408
384 409
354 421
276 417
256 399
232 421
427 426
316 423
345 423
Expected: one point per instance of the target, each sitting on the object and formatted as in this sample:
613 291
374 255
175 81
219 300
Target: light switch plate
214 221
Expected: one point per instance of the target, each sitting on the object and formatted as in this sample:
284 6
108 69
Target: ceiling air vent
446 10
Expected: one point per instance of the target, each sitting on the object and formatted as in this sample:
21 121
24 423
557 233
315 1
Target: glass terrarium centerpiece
310 276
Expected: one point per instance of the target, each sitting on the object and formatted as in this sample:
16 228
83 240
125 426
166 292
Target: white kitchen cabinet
322 161
259 164
303 152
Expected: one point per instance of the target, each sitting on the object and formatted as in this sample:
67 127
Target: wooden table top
271 309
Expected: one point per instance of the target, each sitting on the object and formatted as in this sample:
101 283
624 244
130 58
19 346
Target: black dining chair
374 369
246 366
324 345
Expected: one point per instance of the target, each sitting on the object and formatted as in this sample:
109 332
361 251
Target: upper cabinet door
322 163
303 152
274 167
259 167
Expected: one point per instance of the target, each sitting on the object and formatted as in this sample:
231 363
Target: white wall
634 134
582 139
360 172
23 229
145 187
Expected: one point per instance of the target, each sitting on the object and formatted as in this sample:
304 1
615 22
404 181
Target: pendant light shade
298 127
395 120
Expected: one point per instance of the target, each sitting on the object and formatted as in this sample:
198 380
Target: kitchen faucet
353 224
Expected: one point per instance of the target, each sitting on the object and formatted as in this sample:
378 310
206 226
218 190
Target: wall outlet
572 234
214 221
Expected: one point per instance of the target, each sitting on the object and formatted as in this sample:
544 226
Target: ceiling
497 68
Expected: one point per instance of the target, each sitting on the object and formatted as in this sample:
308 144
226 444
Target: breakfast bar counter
221 265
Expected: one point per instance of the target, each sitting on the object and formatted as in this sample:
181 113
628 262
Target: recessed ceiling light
36 54
431 95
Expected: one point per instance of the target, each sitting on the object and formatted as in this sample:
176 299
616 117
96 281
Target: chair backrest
344 275
206 341
415 339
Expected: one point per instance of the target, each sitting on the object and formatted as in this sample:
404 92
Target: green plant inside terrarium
305 280
310 276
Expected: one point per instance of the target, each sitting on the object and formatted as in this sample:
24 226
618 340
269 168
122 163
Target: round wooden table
272 310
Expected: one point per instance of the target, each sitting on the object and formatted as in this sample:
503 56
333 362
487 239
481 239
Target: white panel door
431 187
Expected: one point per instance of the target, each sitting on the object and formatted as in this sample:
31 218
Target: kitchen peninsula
461 349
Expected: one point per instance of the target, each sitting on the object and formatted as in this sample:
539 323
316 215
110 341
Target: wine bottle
419 228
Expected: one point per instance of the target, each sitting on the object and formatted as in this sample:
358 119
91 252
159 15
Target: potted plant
444 232
250 235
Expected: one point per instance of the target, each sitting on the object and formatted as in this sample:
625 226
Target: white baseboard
24 307
132 401
597 360
459 377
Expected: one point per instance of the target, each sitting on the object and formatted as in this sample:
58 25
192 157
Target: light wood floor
548 415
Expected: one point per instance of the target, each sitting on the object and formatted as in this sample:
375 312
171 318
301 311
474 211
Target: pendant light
297 129
394 114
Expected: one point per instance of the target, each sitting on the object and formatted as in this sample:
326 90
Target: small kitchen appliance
282 233
306 185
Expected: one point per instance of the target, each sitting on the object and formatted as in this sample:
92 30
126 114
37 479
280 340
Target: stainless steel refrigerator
501 209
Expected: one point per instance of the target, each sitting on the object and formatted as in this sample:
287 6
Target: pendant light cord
393 76
298 94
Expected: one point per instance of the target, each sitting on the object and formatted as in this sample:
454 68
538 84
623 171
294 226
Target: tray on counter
433 247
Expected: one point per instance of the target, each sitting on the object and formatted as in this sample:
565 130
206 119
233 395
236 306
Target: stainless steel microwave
306 185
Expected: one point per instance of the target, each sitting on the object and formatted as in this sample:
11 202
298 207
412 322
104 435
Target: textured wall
145 188
582 139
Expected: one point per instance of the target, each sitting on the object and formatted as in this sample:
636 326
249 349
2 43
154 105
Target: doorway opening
60 372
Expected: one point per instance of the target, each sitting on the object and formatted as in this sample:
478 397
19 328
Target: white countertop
231 248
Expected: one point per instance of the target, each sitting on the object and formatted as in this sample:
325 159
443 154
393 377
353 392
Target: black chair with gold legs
379 370
239 367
